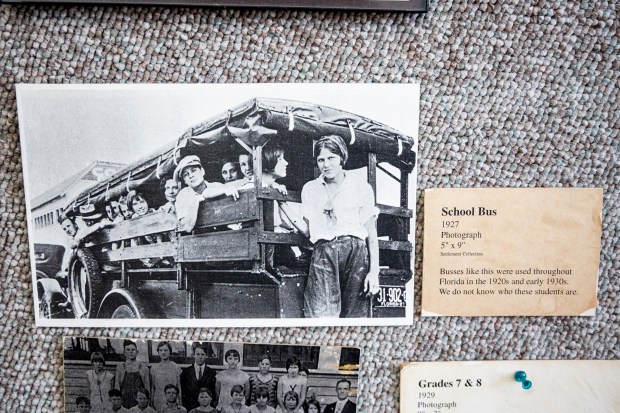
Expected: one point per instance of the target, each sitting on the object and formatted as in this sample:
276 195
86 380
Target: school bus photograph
266 210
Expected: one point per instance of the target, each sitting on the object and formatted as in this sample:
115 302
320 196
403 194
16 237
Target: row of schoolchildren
205 398
166 387
135 204
235 174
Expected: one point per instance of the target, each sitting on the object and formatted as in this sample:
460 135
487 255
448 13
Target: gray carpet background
513 95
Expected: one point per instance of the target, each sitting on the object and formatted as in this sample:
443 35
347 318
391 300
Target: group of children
136 388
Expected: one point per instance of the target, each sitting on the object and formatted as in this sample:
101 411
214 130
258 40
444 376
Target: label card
557 386
511 251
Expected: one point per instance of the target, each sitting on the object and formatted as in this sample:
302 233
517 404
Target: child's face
171 190
131 352
193 176
171 395
245 164
164 352
264 366
142 400
116 207
293 370
232 361
312 409
125 211
237 398
69 227
116 401
140 206
200 356
83 408
230 172
109 212
290 403
204 399
261 401
98 365
303 374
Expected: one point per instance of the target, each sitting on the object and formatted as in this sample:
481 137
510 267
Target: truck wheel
86 286
125 311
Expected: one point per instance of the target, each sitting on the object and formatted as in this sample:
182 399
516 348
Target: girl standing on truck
339 217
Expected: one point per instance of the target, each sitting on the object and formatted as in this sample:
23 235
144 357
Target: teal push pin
521 377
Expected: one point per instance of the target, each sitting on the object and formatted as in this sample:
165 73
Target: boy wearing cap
189 171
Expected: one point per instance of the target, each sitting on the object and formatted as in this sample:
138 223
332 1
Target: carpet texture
514 94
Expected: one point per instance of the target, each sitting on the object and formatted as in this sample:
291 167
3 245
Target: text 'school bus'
225 268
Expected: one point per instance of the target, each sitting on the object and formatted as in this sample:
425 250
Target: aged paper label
511 251
557 386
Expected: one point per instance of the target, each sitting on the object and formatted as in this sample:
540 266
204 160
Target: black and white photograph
105 375
220 204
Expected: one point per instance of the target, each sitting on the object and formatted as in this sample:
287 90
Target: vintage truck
218 272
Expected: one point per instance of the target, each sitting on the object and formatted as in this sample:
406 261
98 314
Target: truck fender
140 306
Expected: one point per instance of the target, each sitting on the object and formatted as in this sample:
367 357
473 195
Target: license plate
390 296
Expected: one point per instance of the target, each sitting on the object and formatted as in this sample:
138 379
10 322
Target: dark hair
132 196
250 157
304 370
171 386
205 390
122 201
82 400
145 392
162 182
270 157
63 217
293 361
343 381
231 352
334 144
164 343
97 356
129 343
265 356
115 393
262 392
233 161
109 205
289 394
236 389
200 346
314 403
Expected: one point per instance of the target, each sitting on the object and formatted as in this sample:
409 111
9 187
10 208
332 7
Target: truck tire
86 285
125 311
